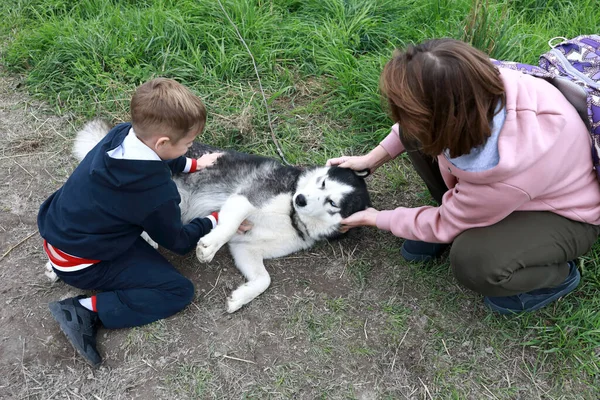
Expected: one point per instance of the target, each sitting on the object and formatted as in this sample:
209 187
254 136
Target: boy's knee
180 293
187 291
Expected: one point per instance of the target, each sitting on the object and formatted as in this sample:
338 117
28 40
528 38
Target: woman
505 156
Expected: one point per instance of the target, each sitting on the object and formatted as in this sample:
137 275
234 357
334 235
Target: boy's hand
244 227
207 160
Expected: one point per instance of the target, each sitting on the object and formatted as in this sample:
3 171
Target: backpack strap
573 67
575 94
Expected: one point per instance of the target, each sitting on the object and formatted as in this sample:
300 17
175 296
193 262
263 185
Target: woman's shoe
414 250
536 299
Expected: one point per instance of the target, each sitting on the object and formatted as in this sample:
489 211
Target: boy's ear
161 141
363 173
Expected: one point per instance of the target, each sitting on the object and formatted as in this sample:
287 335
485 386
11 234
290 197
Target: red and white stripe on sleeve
191 165
214 218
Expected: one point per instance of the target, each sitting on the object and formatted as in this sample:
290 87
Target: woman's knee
474 267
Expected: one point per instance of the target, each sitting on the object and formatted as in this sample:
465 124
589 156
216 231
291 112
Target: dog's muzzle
300 200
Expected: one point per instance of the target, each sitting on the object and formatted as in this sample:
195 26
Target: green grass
86 57
319 61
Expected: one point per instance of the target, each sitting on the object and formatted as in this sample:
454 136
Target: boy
91 226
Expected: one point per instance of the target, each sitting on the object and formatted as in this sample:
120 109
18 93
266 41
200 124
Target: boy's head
443 93
167 116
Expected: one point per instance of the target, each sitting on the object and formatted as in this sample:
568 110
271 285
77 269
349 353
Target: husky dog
290 208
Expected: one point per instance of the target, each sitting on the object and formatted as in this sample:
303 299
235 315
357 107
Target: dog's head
324 196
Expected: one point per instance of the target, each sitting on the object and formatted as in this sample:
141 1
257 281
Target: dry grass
343 320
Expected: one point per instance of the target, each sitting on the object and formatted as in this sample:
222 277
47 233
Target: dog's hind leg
250 263
235 210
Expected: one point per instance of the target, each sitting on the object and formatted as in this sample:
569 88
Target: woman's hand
366 217
356 163
371 161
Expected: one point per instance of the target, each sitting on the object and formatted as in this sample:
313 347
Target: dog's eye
323 184
332 203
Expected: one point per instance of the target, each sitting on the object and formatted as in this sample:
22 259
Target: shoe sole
59 316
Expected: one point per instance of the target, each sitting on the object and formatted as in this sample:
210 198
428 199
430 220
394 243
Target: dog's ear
363 173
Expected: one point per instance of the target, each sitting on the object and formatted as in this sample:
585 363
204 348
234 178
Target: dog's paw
238 299
247 292
148 239
206 249
50 274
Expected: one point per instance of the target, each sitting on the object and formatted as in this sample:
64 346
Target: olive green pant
527 250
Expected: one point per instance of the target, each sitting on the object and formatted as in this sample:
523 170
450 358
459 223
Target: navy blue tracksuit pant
137 288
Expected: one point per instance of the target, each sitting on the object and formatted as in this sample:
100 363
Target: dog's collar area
297 223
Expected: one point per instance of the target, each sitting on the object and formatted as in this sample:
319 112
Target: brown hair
444 94
165 107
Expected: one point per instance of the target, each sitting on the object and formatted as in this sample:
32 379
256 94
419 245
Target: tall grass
87 56
319 61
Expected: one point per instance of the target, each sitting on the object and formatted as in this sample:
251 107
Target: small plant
191 380
487 28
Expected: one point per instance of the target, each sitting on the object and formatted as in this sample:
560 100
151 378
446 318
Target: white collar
133 148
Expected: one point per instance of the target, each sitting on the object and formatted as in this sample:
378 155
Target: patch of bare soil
345 319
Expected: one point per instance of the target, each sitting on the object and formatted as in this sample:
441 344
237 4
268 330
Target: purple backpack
573 66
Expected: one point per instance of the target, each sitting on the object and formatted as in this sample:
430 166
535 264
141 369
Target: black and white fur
290 208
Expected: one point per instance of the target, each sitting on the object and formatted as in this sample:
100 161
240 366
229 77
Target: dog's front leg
235 210
249 262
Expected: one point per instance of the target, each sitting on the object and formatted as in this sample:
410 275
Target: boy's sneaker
535 299
414 250
80 325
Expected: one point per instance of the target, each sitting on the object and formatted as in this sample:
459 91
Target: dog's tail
89 136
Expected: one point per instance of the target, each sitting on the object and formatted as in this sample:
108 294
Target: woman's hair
443 93
165 107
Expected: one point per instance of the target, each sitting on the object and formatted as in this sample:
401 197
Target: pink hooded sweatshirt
545 165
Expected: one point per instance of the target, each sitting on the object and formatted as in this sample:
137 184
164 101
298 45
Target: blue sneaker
414 250
535 299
